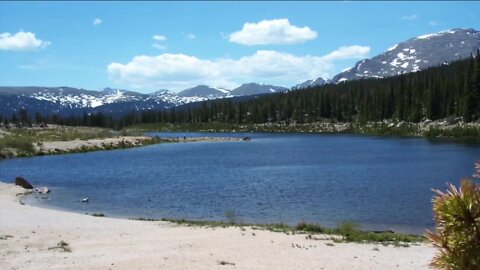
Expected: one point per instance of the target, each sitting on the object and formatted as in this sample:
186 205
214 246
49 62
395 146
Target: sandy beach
30 236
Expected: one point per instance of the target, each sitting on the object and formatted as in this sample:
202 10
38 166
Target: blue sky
98 44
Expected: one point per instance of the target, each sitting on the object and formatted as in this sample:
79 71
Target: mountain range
412 55
74 101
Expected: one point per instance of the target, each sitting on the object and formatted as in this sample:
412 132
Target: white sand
106 243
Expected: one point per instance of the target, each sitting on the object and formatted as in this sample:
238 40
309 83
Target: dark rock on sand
20 181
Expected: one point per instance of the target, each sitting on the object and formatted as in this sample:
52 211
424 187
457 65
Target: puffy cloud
278 31
410 17
97 21
159 37
21 41
179 71
348 52
190 36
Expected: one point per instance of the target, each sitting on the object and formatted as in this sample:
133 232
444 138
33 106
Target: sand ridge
130 141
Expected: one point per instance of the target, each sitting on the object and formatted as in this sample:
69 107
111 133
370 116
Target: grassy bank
24 142
344 232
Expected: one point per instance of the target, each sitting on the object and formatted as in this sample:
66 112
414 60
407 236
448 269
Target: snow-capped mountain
204 91
416 54
173 98
311 83
68 100
256 89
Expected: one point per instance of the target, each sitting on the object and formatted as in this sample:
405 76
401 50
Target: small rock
20 181
42 190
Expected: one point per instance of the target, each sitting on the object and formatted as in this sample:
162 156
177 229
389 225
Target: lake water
378 182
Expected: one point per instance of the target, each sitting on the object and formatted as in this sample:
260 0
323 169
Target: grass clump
199 223
225 263
98 215
5 237
144 219
62 245
310 228
23 145
278 227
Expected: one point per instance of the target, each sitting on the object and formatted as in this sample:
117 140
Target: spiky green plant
457 236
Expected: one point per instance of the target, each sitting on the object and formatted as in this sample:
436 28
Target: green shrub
311 228
347 228
457 235
22 144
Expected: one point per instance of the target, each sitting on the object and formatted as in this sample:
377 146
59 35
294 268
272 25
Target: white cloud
97 21
159 38
159 46
191 36
348 52
21 41
179 71
278 31
433 23
410 17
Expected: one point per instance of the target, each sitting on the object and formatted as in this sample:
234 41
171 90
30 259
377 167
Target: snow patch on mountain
427 36
393 47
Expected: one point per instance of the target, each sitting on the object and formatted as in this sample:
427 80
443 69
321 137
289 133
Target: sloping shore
35 141
119 142
31 238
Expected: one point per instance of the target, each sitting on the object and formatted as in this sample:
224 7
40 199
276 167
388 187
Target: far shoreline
32 144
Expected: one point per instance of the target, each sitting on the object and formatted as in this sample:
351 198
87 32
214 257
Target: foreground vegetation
457 235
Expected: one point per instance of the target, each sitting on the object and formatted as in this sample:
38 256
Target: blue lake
378 182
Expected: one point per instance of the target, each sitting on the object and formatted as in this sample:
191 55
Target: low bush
457 234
